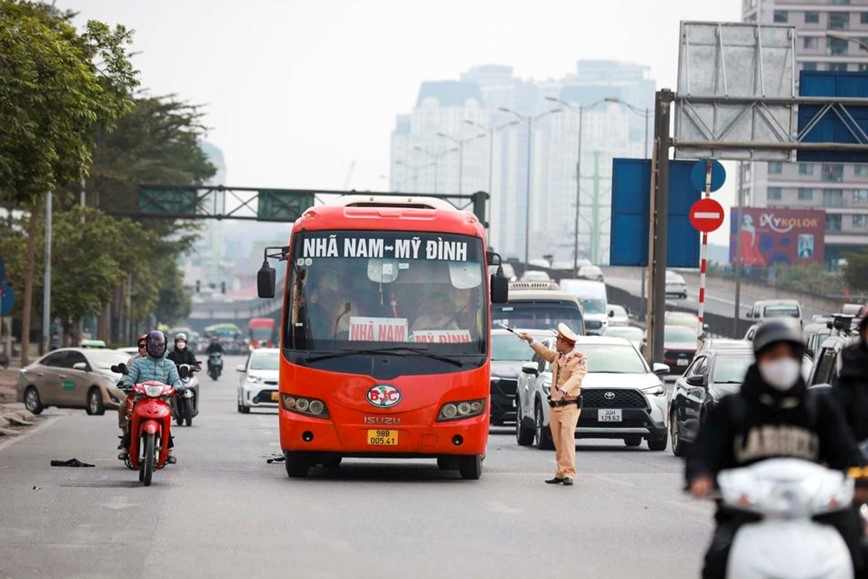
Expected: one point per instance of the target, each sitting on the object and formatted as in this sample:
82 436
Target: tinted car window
543 316
825 366
731 369
73 358
54 360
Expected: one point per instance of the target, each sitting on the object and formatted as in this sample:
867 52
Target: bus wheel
447 463
470 467
297 464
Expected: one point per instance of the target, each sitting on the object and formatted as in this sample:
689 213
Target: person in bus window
438 313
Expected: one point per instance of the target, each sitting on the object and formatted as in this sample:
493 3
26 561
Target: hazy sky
295 91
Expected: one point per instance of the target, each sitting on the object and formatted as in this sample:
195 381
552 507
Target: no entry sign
706 215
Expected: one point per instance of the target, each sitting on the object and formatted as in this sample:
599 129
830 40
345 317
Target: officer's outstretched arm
544 353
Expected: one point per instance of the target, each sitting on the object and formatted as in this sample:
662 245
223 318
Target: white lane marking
30 432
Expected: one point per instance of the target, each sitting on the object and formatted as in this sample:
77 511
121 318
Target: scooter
787 542
185 405
215 365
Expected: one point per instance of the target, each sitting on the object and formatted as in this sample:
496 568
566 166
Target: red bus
260 332
385 335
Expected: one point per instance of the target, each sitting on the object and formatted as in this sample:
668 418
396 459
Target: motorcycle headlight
153 391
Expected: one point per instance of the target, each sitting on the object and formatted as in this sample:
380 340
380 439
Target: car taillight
306 406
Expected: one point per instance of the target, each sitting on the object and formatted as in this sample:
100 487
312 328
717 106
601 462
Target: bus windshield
383 290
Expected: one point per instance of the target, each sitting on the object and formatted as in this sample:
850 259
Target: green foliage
93 257
809 278
856 270
57 88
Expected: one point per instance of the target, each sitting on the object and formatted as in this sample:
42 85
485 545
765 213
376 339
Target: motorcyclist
773 415
152 367
214 347
123 411
181 355
851 386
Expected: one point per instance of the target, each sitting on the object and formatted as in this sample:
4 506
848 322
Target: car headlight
461 410
495 379
305 406
253 379
656 390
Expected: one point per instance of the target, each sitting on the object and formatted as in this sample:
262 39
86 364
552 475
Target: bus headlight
461 410
305 406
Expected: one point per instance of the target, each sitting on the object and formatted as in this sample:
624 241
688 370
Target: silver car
259 383
622 397
676 287
72 378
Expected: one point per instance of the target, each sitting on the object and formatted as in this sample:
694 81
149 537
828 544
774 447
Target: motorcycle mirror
184 371
120 369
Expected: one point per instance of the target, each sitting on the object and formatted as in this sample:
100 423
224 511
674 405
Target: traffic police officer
568 368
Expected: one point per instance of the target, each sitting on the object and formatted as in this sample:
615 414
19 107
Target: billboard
777 236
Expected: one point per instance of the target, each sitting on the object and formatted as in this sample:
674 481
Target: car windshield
538 315
731 369
105 359
594 306
626 332
366 290
265 360
508 348
613 359
678 334
261 334
673 278
686 320
781 311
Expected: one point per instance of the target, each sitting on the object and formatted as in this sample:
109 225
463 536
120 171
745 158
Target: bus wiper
394 351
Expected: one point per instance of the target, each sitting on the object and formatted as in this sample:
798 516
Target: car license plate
682 362
609 415
275 396
383 437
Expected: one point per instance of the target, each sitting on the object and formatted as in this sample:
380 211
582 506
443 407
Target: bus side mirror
499 287
266 281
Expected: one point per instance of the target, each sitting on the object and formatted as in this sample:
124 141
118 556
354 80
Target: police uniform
568 369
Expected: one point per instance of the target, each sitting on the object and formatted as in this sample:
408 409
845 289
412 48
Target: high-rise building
831 35
476 134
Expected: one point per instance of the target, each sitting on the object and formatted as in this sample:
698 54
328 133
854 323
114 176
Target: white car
622 397
535 275
618 316
590 272
676 287
258 387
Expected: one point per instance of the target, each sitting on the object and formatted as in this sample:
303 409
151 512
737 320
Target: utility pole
595 211
659 223
46 283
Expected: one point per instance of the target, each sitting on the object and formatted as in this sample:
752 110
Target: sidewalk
14 419
8 379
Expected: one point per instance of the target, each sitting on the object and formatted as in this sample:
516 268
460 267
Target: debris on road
71 462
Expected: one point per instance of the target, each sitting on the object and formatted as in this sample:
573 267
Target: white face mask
781 374
181 345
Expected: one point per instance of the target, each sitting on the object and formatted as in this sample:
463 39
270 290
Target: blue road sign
697 174
837 125
7 299
631 209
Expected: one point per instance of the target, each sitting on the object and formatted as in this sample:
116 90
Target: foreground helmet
181 337
778 330
156 344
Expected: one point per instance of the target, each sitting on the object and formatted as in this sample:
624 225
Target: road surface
222 511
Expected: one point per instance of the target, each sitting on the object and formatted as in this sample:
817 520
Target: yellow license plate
383 437
275 396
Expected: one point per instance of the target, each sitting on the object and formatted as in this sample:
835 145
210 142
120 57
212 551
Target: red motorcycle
150 424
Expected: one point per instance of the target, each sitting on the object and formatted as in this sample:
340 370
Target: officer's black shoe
124 455
568 482
555 481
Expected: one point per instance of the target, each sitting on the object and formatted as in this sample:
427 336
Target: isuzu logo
609 395
387 420
383 396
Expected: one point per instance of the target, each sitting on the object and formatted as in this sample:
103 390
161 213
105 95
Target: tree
57 87
856 270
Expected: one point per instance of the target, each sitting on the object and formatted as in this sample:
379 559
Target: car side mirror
80 366
749 315
531 369
611 314
661 369
240 368
696 381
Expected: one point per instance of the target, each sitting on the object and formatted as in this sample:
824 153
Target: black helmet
778 330
156 344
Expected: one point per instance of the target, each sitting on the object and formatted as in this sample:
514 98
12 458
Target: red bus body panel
351 416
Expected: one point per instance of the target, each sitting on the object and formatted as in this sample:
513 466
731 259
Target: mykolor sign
777 236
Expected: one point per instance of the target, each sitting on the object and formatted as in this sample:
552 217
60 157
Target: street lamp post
436 157
529 120
580 110
841 36
460 143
